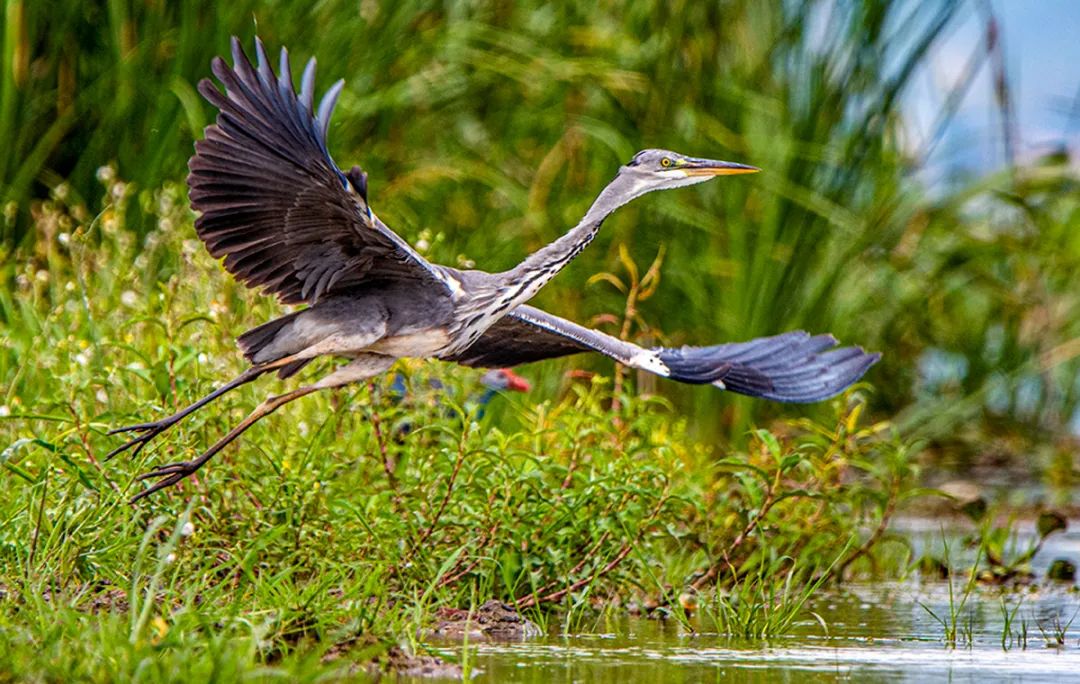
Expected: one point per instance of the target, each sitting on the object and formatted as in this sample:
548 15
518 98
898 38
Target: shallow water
879 632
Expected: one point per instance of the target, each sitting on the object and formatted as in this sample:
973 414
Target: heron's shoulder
469 281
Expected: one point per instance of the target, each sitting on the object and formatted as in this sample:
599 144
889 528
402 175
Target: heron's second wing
272 201
792 367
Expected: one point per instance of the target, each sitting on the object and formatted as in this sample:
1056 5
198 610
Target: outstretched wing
792 367
272 201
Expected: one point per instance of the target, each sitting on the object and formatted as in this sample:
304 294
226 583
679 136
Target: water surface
878 632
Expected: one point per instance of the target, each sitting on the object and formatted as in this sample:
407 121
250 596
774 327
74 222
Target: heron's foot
170 474
147 431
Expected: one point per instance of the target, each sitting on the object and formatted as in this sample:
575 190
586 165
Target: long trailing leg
362 368
174 472
152 429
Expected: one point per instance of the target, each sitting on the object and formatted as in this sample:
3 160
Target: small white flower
203 358
69 286
64 239
129 298
171 558
106 173
82 359
42 276
102 396
422 245
302 428
5 410
187 530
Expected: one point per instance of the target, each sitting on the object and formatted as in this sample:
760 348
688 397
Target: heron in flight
284 218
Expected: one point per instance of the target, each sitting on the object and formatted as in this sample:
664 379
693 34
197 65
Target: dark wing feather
512 341
273 204
792 367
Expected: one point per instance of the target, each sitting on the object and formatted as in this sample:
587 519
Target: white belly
420 344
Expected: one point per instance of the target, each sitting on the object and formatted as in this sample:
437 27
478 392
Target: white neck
528 277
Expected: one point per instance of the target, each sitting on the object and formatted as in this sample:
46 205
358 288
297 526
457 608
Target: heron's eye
665 162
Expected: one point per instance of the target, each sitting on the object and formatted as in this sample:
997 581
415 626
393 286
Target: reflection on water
877 632
926 536
697 662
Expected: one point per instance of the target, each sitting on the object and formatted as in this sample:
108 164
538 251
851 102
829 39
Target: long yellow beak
712 167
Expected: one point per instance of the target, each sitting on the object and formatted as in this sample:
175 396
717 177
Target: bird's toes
148 430
183 469
139 427
167 476
157 486
139 442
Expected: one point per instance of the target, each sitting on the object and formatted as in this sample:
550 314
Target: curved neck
541 266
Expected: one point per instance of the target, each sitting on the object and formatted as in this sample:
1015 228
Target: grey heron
284 218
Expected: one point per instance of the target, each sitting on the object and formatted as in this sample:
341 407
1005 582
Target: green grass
1009 636
957 618
759 606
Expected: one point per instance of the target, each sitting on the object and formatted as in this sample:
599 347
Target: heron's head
664 169
503 379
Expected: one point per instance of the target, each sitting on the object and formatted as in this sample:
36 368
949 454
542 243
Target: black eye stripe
652 158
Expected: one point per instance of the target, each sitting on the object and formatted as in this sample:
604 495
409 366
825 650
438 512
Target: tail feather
254 340
796 372
793 367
